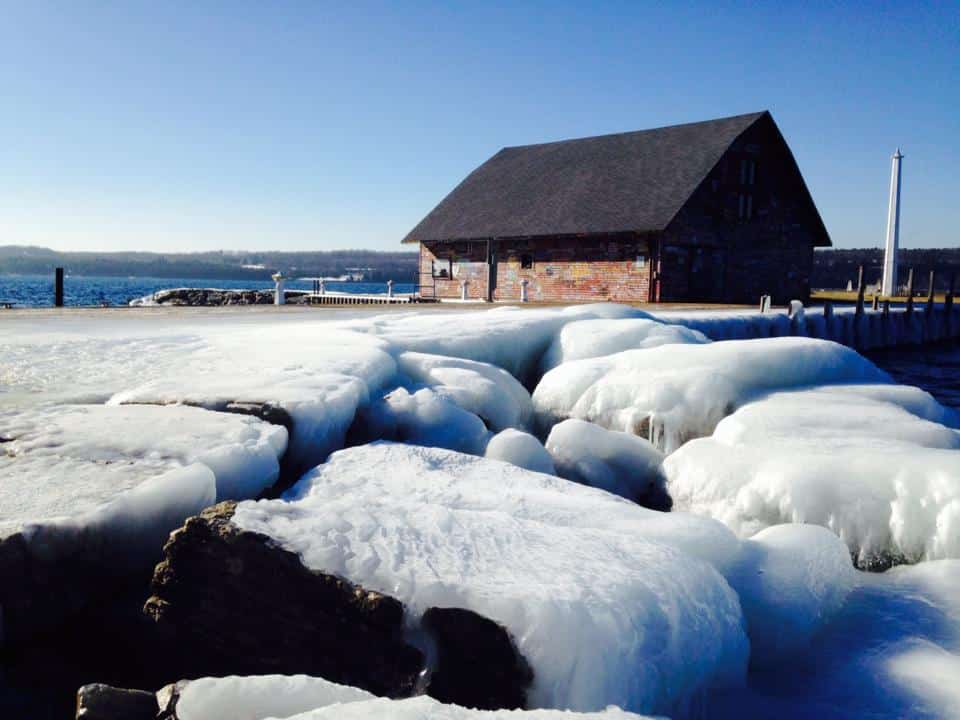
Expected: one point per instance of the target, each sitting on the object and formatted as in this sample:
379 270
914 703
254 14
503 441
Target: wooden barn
713 211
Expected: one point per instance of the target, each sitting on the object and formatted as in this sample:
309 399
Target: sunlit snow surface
611 602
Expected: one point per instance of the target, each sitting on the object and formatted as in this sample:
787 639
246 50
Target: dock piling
58 287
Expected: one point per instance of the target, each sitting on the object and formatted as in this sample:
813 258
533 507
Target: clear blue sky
313 125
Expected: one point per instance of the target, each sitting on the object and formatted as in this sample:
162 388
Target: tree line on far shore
831 268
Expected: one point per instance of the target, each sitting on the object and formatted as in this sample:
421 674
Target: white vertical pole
279 298
889 282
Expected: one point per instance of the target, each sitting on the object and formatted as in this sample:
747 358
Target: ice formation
619 463
673 393
425 417
596 591
521 449
874 470
487 391
594 338
792 580
96 453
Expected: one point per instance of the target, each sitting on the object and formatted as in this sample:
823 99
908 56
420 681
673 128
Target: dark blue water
37 290
935 368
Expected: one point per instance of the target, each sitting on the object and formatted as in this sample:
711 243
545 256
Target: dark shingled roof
634 181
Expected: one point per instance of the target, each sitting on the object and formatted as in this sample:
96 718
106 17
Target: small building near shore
713 211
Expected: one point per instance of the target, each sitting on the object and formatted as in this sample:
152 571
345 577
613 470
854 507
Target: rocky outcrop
215 297
102 702
232 602
477 665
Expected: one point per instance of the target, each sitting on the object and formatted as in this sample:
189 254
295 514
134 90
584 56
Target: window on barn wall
443 269
751 176
526 261
641 261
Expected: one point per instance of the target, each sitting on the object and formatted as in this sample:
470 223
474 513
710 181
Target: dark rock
478 664
102 702
233 602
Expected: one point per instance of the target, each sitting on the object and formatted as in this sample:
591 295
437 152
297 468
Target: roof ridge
755 115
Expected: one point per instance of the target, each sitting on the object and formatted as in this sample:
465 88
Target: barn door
706 272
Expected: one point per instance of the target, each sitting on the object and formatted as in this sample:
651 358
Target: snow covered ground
783 457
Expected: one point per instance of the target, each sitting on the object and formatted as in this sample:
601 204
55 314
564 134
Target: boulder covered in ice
863 461
89 489
598 593
521 449
489 392
594 338
425 417
619 463
673 393
792 580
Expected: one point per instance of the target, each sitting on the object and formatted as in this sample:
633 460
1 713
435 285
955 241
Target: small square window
526 262
641 261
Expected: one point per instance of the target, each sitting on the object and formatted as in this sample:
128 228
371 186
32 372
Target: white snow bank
425 417
520 449
72 459
425 708
483 389
593 588
673 393
258 697
594 338
619 463
855 459
791 579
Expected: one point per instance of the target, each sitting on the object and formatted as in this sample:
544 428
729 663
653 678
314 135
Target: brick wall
584 269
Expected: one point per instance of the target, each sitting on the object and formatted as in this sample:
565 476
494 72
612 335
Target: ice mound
84 456
882 477
425 417
483 389
594 338
520 449
673 393
792 580
511 338
619 463
596 591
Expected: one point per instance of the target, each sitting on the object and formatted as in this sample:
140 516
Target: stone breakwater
204 297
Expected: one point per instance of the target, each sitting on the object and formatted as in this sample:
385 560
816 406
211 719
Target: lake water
37 290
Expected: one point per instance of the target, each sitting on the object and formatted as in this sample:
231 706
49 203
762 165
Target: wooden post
910 291
58 288
948 300
860 290
930 294
876 303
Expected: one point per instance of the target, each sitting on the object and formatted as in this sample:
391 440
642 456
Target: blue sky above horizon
299 125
